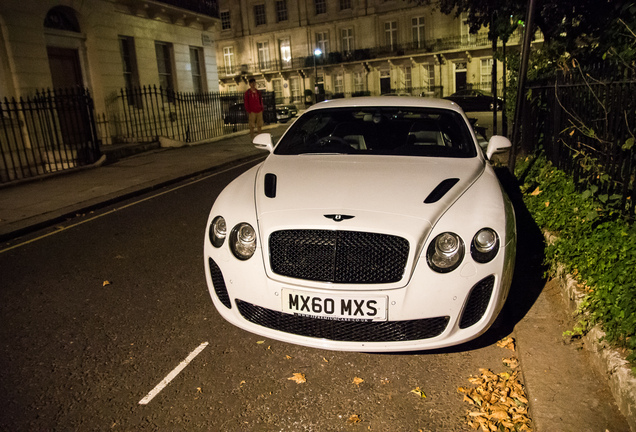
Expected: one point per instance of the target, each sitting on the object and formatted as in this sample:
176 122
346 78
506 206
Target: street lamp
317 52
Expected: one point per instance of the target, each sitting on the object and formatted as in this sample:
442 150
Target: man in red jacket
253 102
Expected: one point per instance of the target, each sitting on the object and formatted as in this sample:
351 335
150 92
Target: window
129 63
428 77
347 40
285 53
228 60
408 82
338 83
263 55
281 10
345 4
418 32
294 87
486 73
322 42
277 85
321 6
196 65
232 88
226 24
467 37
259 15
358 82
164 64
390 34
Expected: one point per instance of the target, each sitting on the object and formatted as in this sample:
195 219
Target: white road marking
155 391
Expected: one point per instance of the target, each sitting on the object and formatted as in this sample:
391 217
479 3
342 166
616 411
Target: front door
66 71
66 74
460 77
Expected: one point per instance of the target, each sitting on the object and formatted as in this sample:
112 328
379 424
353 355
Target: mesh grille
477 303
338 256
219 284
346 331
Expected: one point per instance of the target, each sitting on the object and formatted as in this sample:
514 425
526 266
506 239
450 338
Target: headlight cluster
446 252
242 240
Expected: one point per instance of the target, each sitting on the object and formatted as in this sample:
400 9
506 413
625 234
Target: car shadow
529 277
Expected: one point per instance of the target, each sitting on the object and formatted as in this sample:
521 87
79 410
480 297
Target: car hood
309 191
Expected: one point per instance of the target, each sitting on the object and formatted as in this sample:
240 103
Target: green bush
592 242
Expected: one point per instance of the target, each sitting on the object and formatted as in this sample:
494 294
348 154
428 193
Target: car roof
387 101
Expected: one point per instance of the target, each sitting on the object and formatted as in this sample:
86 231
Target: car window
380 131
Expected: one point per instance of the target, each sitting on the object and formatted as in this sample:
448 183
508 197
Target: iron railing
51 131
587 128
146 113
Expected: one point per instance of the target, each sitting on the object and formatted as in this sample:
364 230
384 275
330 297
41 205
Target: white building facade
364 47
106 45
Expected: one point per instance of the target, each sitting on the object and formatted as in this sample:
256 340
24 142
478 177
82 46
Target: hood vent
270 185
440 190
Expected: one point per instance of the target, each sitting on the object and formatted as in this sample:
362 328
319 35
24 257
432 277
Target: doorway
68 85
460 77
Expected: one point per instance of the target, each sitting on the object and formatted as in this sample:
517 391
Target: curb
610 362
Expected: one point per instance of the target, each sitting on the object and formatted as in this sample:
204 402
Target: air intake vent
440 190
270 185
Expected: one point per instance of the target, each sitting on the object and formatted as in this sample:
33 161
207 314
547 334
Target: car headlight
445 252
485 245
243 241
217 231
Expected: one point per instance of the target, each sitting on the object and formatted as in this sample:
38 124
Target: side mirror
264 142
497 144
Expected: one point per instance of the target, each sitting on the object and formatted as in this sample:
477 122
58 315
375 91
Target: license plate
336 307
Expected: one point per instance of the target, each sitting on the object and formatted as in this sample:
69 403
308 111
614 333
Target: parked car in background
475 100
375 224
286 112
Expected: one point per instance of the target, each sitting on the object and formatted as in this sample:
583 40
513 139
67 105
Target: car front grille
344 331
338 256
477 303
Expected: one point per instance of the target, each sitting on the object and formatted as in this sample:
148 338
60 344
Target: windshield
403 131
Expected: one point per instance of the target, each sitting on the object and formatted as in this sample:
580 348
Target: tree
580 28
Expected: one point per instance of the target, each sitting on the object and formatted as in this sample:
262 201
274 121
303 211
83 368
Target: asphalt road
107 324
96 315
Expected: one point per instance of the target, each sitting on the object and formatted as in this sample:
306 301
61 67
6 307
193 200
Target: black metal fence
144 114
49 132
587 127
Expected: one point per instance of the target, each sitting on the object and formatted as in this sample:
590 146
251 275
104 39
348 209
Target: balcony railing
365 54
203 7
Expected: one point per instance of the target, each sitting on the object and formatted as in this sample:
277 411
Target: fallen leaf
355 418
298 377
512 362
325 360
106 283
288 357
547 203
199 390
536 192
508 343
418 391
260 342
357 381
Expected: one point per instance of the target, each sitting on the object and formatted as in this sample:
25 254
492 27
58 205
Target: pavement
569 389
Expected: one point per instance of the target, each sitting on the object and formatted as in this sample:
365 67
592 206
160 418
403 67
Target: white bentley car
375 224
